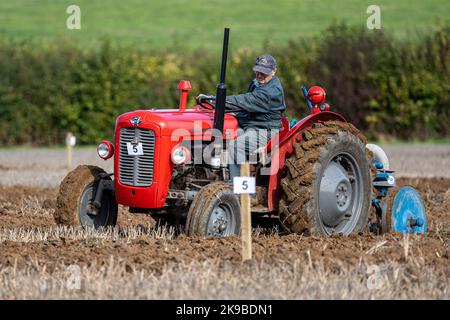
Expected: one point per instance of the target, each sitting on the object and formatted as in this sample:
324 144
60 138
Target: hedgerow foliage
387 87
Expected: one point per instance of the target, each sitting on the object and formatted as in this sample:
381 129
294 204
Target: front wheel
214 212
75 202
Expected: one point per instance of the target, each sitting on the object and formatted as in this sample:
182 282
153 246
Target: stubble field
139 259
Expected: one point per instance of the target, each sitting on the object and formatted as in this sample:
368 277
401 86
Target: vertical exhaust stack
221 92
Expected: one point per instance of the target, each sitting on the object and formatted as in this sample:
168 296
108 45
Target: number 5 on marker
244 185
135 149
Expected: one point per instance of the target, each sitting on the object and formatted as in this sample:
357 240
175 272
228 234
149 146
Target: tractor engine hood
191 123
143 181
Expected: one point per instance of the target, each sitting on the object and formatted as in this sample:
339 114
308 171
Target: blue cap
265 63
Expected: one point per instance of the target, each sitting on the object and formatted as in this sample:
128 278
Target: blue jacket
261 107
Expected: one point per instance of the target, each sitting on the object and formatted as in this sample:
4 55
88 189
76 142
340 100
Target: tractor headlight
180 155
105 150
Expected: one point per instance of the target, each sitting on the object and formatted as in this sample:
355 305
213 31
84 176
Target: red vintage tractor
322 179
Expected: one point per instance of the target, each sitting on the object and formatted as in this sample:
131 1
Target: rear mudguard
285 147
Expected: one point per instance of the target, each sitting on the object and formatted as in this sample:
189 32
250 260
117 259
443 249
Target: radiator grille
136 170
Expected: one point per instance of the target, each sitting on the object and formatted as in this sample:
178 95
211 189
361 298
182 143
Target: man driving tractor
258 112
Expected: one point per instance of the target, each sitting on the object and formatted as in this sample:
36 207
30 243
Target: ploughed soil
31 208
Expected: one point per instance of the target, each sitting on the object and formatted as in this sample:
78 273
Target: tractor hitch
407 212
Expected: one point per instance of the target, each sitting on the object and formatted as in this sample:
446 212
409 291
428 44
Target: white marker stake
245 185
70 142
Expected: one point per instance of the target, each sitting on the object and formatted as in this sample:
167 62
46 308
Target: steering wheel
209 106
206 105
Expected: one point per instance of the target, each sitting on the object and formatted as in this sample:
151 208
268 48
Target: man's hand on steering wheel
203 98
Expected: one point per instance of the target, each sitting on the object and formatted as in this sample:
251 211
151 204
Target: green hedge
387 87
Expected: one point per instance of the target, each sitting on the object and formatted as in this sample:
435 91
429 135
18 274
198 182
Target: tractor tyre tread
197 216
70 192
296 207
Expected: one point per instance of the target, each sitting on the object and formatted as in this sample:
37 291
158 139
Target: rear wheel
327 189
75 202
215 211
